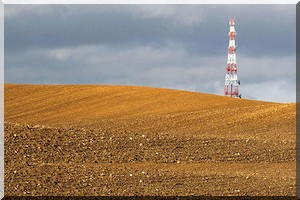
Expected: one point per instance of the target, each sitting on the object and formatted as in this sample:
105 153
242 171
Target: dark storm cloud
57 30
262 30
173 46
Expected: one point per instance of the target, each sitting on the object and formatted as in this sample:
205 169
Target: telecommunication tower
231 79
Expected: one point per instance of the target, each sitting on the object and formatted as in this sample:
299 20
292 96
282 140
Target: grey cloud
201 29
277 91
61 31
261 69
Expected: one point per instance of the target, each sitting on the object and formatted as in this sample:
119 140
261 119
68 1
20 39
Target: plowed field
130 140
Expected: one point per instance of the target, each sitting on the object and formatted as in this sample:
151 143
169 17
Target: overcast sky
168 46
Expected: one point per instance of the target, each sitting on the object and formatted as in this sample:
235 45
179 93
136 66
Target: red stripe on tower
231 79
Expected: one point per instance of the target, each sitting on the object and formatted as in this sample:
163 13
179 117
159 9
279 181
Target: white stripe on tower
231 79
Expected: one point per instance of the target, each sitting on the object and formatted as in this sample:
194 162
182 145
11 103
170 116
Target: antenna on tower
231 79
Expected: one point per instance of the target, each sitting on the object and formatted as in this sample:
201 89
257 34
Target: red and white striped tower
231 79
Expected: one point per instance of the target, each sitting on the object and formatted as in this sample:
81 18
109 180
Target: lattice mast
231 79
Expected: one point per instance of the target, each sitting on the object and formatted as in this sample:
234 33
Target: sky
167 46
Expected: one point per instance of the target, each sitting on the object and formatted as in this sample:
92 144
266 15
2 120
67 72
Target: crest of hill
50 104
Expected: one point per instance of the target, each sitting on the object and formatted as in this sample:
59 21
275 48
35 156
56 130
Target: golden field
132 140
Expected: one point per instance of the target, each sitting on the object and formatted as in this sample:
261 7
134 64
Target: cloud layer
173 46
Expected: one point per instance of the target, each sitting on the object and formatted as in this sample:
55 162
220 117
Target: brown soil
125 140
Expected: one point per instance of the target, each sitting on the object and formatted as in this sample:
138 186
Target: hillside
129 140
